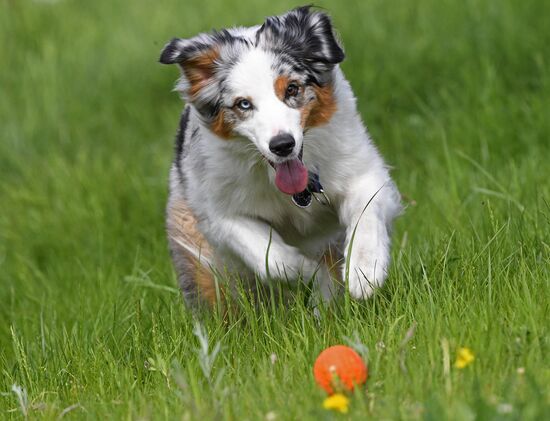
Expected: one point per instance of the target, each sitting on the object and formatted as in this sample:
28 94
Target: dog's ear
305 34
199 59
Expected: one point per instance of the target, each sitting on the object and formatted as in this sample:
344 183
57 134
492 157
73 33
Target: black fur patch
304 35
179 50
180 140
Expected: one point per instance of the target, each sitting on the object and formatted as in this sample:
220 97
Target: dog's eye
292 90
244 104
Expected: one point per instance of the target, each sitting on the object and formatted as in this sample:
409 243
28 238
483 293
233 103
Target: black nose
282 144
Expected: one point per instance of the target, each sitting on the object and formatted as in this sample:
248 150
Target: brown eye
292 90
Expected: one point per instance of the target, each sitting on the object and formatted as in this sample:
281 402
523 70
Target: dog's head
267 84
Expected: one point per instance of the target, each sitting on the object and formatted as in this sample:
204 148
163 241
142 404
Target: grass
456 95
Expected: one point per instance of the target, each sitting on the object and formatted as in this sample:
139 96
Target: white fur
230 188
253 77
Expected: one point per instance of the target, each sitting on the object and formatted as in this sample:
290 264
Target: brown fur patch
320 110
182 228
183 225
221 127
200 69
204 279
280 85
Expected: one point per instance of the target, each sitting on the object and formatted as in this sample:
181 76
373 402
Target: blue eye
244 104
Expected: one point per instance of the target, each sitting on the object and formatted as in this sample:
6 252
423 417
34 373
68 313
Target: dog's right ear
173 52
198 59
183 51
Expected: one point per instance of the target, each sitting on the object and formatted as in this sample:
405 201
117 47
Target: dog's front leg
367 211
262 249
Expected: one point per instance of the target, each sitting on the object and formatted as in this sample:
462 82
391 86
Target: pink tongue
291 176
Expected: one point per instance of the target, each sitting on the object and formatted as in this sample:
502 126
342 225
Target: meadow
92 325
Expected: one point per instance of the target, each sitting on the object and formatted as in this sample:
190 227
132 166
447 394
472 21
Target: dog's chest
310 228
299 227
251 192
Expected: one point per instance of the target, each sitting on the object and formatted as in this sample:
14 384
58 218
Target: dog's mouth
291 176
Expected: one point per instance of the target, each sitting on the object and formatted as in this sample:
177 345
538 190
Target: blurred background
456 94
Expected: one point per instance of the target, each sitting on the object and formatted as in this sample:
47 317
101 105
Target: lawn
92 326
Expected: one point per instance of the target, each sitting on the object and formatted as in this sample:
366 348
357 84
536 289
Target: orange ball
339 367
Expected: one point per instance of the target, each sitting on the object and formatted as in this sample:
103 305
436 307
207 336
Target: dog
275 176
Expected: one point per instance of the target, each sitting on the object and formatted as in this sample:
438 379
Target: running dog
275 176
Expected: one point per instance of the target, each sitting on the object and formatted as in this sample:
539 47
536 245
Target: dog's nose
282 144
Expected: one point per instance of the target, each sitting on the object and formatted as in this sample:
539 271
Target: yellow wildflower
464 357
337 402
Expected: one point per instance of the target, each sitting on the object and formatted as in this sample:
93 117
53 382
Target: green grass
456 95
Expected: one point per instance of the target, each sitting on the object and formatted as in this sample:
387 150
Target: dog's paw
367 273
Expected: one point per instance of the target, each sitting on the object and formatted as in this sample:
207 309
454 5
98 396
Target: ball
339 368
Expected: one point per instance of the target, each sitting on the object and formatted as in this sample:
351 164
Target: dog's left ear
306 35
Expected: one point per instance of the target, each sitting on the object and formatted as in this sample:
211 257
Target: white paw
367 272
